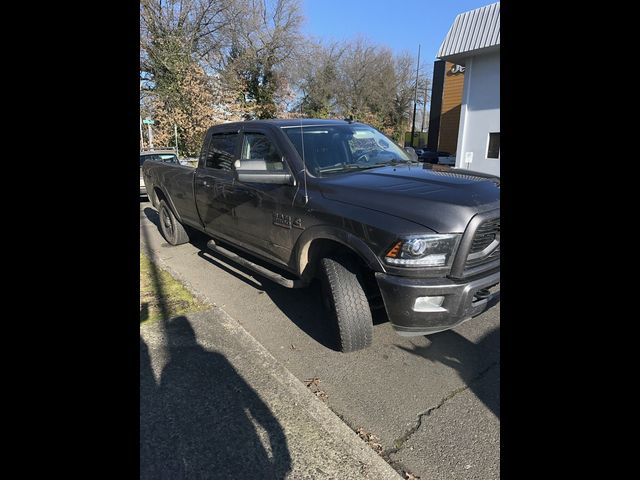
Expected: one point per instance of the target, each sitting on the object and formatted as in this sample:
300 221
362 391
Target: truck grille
485 235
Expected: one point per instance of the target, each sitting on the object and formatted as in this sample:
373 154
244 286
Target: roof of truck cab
290 122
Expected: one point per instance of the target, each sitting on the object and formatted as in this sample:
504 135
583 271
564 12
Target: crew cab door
213 185
263 212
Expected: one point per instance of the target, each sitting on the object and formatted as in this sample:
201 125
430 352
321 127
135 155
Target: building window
494 145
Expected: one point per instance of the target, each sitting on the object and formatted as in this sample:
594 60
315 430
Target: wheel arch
161 194
318 242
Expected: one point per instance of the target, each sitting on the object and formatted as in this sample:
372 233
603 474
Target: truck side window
221 149
256 146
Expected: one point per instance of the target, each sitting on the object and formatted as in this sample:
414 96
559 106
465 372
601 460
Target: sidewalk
214 403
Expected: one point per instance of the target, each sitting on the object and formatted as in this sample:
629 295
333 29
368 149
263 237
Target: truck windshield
335 149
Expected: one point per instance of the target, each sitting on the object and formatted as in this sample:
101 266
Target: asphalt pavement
432 401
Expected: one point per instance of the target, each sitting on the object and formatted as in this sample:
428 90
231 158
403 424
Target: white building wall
480 113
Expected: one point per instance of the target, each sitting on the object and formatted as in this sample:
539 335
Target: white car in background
189 162
164 155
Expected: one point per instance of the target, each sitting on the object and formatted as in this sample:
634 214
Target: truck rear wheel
346 303
172 230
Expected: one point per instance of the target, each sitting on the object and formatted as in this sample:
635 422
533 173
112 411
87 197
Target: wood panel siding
450 116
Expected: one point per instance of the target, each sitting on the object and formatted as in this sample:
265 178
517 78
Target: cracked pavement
457 434
433 401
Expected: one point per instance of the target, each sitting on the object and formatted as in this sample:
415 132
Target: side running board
273 276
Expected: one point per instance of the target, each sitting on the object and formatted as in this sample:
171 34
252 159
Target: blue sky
401 25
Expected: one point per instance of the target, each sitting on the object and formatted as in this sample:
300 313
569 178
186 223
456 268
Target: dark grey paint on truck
365 212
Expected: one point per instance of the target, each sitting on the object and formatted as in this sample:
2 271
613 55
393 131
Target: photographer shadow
202 420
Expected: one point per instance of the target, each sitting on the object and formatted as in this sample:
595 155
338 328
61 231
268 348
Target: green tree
264 45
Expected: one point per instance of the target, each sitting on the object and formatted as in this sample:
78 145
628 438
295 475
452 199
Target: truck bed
178 180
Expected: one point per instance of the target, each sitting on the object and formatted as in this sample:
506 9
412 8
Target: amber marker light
393 253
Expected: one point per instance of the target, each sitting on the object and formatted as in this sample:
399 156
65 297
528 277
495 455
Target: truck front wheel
172 230
346 303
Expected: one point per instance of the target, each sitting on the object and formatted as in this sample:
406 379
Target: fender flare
325 232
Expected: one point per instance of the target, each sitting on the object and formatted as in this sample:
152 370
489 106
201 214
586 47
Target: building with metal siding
473 41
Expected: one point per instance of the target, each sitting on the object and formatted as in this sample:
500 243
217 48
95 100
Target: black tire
346 303
172 230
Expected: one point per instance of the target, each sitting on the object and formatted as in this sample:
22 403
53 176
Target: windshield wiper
344 167
358 166
393 162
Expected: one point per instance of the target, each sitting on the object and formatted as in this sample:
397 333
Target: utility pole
141 131
424 111
415 99
175 130
141 135
150 136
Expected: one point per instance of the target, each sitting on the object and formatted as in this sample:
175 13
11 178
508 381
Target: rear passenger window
221 150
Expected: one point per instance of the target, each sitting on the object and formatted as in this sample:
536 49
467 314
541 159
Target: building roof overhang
475 32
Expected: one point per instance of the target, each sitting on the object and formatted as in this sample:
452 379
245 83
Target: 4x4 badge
282 220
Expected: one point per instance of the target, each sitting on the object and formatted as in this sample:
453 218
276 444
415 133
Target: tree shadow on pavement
302 306
478 364
201 419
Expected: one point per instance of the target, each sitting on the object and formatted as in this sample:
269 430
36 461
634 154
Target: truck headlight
425 251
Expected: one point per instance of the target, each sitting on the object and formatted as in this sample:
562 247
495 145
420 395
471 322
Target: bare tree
181 43
181 31
399 116
221 60
359 79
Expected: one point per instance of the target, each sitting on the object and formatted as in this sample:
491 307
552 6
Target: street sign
148 121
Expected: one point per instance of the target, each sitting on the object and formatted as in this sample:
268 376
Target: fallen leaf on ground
315 381
313 385
321 395
372 440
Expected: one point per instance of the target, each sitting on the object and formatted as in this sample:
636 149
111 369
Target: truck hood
439 198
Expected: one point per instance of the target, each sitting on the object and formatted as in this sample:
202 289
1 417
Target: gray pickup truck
295 200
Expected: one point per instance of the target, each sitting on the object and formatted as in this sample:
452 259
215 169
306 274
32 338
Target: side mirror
255 171
412 153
